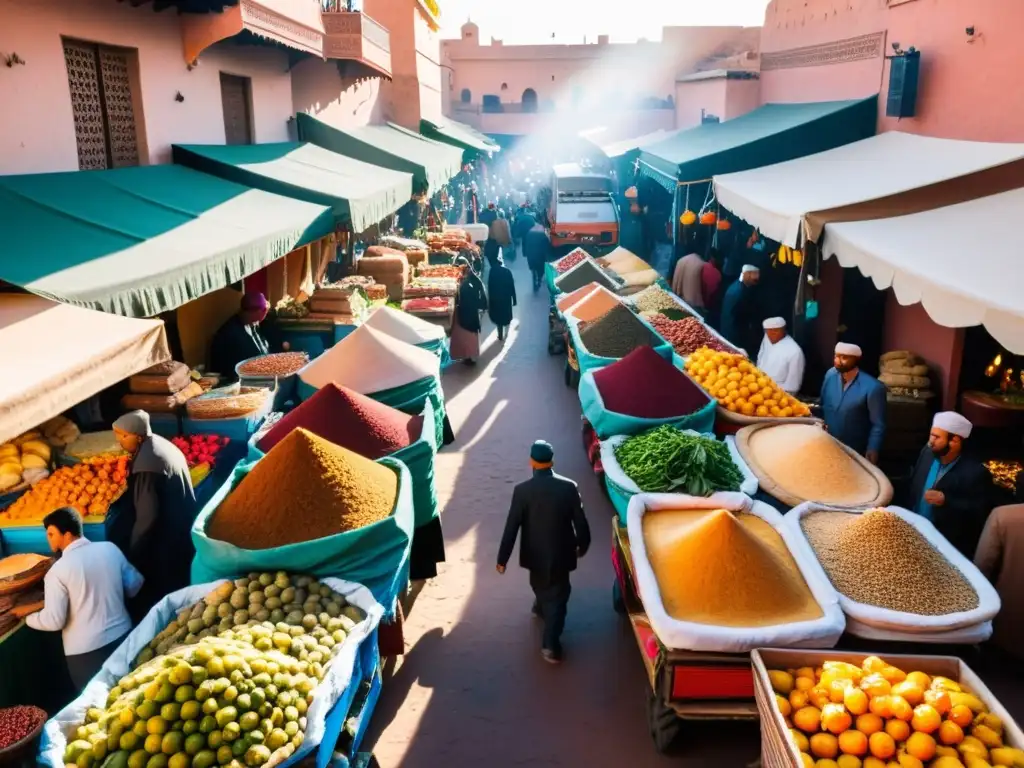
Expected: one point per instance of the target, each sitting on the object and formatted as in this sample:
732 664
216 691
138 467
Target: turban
849 350
254 300
749 268
134 423
952 422
773 323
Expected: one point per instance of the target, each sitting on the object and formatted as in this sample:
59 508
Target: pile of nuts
18 722
276 364
653 299
686 335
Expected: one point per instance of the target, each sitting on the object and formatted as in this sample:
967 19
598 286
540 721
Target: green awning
360 194
772 134
458 134
141 241
431 163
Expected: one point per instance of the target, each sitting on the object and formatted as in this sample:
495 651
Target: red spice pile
646 385
351 420
571 260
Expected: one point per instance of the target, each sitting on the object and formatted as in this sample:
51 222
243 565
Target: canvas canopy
890 174
57 355
458 134
142 241
360 194
770 134
431 163
933 258
617 149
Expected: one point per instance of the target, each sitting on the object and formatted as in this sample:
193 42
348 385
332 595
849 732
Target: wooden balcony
351 35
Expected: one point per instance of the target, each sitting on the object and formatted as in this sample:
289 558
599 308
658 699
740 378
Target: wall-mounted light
972 34
178 97
13 59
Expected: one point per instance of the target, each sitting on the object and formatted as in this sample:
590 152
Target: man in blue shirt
853 403
951 489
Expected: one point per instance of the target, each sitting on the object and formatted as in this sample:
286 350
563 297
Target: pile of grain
304 489
808 463
654 298
730 570
566 301
403 326
581 274
878 558
596 305
616 334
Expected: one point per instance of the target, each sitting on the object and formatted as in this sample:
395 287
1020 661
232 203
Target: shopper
469 303
949 488
549 511
853 403
780 357
84 596
739 310
1000 557
686 280
523 223
537 249
501 297
499 238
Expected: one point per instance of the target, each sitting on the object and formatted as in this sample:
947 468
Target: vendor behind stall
84 596
163 502
780 357
240 337
853 403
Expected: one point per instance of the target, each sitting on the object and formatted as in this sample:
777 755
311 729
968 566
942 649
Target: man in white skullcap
780 357
739 322
949 488
853 403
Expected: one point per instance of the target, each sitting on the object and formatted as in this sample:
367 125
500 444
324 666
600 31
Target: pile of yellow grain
724 569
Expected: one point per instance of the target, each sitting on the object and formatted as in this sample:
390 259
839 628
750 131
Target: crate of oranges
830 709
90 486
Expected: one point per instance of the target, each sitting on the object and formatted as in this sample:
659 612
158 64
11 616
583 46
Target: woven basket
12 754
28 578
768 484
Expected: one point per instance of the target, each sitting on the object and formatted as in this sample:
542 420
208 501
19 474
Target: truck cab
582 209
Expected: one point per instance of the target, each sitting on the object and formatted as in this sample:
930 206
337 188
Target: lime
157 761
128 741
195 743
172 742
184 693
138 759
171 712
179 760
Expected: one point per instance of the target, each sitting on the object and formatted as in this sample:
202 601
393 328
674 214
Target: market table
34 669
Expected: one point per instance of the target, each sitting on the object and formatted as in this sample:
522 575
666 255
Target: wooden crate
779 751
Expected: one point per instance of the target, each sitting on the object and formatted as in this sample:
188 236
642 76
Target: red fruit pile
570 261
18 722
199 449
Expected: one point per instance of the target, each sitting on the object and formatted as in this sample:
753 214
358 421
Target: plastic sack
441 348
979 633
884 618
686 635
590 362
608 423
119 664
419 459
376 555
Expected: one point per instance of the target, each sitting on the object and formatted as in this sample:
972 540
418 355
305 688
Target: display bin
779 751
31 537
365 694
591 362
240 429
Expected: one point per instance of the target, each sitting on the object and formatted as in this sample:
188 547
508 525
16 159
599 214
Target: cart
556 332
684 685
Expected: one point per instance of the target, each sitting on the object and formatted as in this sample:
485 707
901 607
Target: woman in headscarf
240 337
501 296
469 303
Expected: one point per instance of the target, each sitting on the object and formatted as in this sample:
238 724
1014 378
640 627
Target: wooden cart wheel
662 722
618 604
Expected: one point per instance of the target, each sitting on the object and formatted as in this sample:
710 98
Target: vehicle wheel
618 604
663 724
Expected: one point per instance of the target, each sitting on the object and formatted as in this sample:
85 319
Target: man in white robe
780 357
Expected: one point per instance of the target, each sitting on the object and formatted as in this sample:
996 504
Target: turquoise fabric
376 556
459 135
609 423
619 497
441 348
549 277
772 134
589 362
360 194
142 241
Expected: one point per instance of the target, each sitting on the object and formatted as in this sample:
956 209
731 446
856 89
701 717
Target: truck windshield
592 186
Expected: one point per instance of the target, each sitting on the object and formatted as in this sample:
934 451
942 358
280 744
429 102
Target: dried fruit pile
18 722
90 487
686 335
440 270
200 449
569 261
876 715
276 364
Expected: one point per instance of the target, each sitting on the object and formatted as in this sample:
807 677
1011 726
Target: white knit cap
749 268
953 422
773 323
849 350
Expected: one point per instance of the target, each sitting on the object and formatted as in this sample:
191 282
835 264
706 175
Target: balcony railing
349 34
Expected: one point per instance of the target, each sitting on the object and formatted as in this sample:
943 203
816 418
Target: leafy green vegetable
665 459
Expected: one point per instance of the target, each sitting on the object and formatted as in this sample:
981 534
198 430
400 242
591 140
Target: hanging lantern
634 207
688 218
724 225
708 217
631 193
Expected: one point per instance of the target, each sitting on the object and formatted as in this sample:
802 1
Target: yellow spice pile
714 567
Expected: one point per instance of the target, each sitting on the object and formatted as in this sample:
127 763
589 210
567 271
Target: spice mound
653 299
646 385
878 558
583 273
616 334
346 418
597 304
730 570
276 364
666 459
808 463
403 326
306 488
569 299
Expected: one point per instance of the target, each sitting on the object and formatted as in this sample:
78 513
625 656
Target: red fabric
710 281
257 282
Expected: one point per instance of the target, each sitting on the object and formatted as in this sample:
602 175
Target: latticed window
101 100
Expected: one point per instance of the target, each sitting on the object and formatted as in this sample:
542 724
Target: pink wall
722 97
910 327
742 96
428 69
618 124
319 89
38 133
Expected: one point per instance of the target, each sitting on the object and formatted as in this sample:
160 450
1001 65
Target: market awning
891 174
431 163
771 134
57 355
623 147
360 194
934 258
141 241
458 134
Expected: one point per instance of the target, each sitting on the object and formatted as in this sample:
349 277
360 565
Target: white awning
57 355
780 199
961 262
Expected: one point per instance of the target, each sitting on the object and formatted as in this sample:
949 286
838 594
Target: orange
939 699
900 708
783 704
921 746
835 718
875 685
805 672
882 745
920 679
898 729
807 760
950 733
926 719
869 723
872 762
819 697
800 740
798 699
912 692
804 683
807 719
856 701
853 743
881 706
824 745
894 675
905 760
837 690
961 715
873 664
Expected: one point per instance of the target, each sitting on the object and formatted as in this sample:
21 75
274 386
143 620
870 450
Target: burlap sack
900 354
904 380
905 368
161 403
164 379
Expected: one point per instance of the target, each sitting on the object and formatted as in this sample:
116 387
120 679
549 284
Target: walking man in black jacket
549 511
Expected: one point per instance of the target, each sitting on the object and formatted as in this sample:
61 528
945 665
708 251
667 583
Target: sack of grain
382 250
161 403
979 633
163 379
902 367
914 394
903 380
900 354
